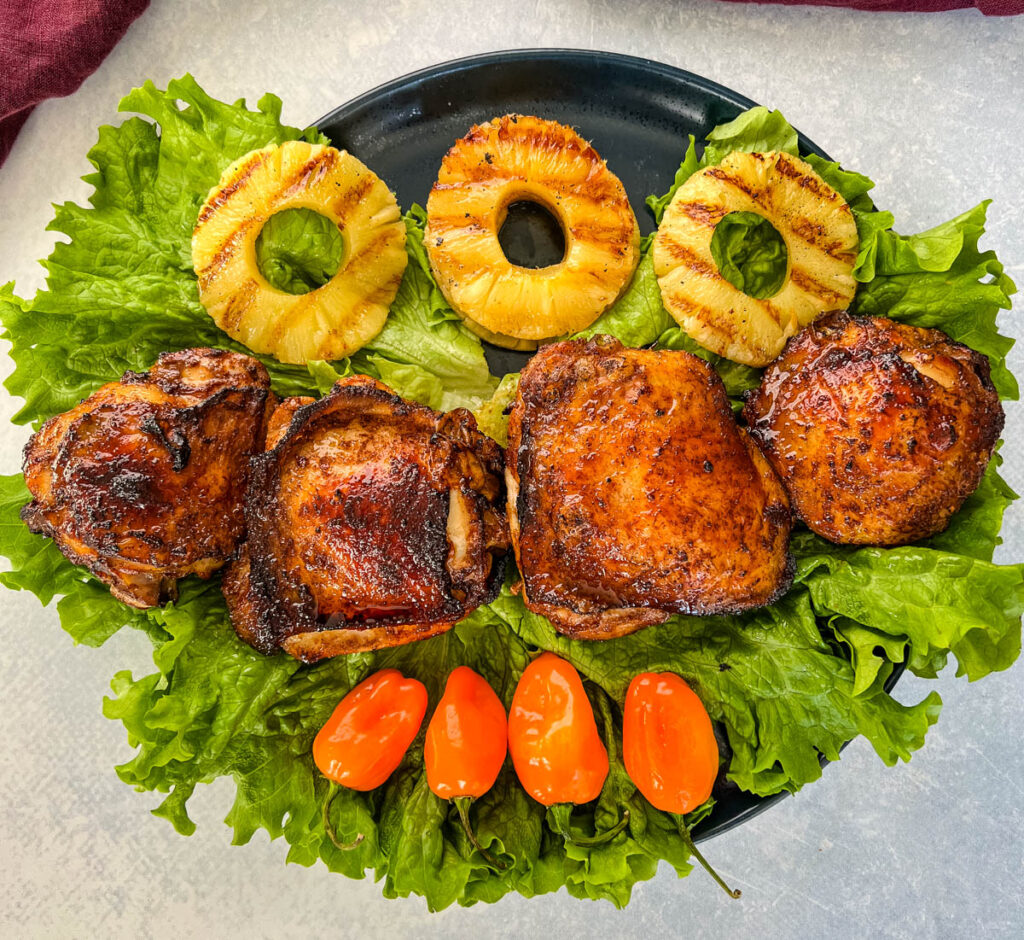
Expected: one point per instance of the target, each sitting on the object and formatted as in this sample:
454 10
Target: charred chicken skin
633 494
144 481
878 430
373 522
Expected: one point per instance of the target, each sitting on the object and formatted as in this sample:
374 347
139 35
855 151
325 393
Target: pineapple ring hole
751 254
531 235
299 250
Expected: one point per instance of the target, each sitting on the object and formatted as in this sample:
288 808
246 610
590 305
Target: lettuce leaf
750 254
872 653
738 665
299 250
424 352
756 129
936 278
938 601
491 416
637 318
941 279
788 684
122 290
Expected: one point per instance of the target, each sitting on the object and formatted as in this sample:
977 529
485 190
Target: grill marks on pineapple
611 237
814 221
225 254
687 257
703 214
716 172
708 270
808 283
228 248
237 305
364 256
337 318
809 180
221 195
348 200
818 237
517 158
312 171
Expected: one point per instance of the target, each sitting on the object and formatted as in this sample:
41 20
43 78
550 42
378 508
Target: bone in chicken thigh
373 521
633 493
144 481
878 430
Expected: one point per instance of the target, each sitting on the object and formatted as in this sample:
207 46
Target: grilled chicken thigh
633 494
144 482
878 430
373 521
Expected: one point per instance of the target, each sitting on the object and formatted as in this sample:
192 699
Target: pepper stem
462 805
329 828
688 839
560 814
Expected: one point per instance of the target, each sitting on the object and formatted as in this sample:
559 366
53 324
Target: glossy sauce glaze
635 495
145 481
878 430
373 521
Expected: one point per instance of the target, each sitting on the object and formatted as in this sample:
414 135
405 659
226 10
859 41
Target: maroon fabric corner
49 47
988 7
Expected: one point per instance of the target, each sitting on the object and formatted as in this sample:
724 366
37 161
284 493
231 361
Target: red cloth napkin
988 7
49 47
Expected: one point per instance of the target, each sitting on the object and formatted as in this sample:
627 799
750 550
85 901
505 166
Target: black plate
637 113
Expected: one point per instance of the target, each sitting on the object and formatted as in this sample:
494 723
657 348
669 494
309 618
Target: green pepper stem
329 828
560 814
688 839
462 804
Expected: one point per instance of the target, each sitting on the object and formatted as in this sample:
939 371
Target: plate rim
349 108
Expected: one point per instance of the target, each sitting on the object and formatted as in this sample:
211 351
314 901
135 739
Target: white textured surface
930 107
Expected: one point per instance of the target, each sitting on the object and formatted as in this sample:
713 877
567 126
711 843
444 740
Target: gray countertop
930 107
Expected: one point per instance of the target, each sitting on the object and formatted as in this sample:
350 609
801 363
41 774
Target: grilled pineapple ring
821 241
516 158
337 318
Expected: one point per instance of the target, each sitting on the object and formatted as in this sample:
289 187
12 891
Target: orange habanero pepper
466 743
670 751
556 750
367 735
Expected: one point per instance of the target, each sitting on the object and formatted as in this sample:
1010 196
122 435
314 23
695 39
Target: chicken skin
373 521
633 494
144 482
878 430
